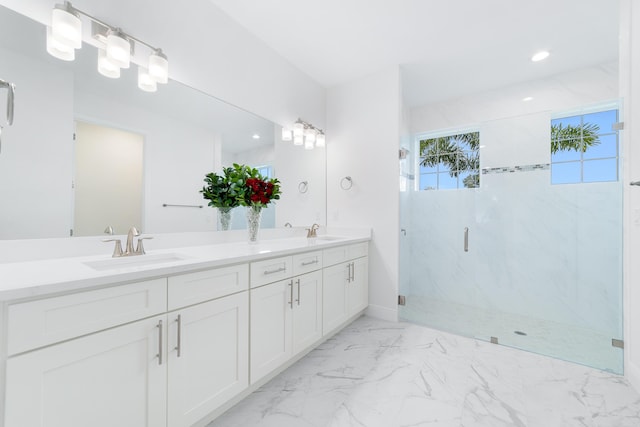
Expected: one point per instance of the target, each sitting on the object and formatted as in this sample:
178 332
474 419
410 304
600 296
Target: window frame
440 134
581 161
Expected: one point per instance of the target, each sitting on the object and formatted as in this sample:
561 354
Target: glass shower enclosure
512 232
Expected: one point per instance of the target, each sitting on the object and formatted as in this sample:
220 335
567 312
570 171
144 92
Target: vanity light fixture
306 134
116 48
58 49
540 56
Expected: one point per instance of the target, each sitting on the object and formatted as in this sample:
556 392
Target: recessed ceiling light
256 136
527 99
540 56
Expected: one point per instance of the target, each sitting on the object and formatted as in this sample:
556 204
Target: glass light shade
320 140
118 49
298 140
106 67
59 50
145 81
286 134
66 26
308 145
159 67
310 135
298 129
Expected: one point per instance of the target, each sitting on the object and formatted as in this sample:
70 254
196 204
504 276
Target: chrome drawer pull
159 342
315 261
179 343
278 270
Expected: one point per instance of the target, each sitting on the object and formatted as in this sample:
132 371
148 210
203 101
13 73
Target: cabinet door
358 286
334 297
208 349
307 310
111 378
271 308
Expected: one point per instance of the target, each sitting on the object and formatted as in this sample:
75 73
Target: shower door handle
466 239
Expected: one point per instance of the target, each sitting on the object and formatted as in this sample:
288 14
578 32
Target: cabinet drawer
271 270
193 288
304 263
38 323
344 253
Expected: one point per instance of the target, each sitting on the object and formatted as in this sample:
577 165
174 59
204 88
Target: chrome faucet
133 232
313 231
129 251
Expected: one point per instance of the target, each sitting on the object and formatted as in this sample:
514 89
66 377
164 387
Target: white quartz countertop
29 279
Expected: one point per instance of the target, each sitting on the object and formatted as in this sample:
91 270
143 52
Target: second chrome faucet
129 250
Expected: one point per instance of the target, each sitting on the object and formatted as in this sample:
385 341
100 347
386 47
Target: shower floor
562 341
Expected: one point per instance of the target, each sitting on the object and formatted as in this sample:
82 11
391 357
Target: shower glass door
529 254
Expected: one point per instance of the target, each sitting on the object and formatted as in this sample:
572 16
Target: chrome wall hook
303 187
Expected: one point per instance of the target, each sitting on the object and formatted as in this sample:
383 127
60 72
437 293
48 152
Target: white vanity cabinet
286 316
110 378
345 284
172 351
171 369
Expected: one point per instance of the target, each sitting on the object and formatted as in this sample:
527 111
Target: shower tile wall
550 253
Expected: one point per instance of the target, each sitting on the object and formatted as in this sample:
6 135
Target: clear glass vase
224 219
254 213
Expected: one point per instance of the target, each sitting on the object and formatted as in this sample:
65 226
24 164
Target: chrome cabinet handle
159 342
353 271
466 239
277 270
304 264
291 295
298 300
179 338
349 273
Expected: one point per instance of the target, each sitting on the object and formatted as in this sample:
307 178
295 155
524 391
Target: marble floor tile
384 374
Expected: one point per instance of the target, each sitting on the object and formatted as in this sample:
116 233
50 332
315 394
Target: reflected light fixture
306 134
58 49
106 67
287 135
145 81
115 51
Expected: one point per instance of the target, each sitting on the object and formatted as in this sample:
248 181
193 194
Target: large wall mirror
48 188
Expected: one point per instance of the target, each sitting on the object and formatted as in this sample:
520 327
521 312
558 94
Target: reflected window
450 161
585 148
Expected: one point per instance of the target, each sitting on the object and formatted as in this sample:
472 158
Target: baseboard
382 313
632 374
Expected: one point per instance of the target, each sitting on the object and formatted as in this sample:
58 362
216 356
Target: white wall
37 151
209 51
630 90
363 131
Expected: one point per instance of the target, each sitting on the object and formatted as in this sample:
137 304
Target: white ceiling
445 48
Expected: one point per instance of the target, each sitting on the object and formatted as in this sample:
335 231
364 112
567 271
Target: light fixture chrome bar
103 24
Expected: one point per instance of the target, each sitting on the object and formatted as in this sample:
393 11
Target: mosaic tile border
521 168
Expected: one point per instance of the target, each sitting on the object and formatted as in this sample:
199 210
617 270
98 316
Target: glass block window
585 148
450 161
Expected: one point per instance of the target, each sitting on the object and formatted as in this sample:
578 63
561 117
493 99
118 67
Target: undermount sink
134 261
329 238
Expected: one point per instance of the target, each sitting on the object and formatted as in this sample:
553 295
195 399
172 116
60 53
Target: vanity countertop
32 279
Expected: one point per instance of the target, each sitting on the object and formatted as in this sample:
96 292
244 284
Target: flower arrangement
240 185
